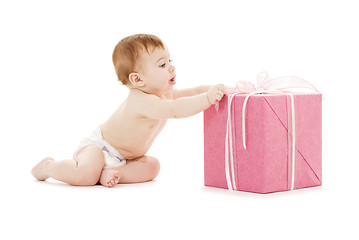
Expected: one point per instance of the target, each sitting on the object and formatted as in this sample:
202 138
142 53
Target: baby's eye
164 64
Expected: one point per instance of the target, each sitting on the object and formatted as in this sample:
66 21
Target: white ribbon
229 156
265 85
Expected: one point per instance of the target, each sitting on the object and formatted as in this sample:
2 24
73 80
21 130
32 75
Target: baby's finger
222 89
219 97
219 93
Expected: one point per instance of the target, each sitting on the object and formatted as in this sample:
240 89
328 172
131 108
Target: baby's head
143 61
127 54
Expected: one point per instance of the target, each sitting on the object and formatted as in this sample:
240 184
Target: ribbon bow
278 84
265 85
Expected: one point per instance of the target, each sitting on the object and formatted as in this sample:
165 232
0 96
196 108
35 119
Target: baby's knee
153 166
90 162
86 178
85 181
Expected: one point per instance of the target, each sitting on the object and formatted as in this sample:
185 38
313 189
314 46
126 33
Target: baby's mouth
173 80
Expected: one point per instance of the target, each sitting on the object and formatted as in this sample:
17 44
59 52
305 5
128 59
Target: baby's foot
39 170
110 177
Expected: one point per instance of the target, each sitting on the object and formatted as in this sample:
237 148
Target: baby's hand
215 93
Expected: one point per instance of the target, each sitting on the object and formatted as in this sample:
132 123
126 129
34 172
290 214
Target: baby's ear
136 80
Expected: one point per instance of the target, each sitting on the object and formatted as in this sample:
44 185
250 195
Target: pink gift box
264 165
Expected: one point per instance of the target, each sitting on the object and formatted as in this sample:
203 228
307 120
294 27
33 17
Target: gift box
263 142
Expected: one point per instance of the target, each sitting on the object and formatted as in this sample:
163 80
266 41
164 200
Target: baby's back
129 132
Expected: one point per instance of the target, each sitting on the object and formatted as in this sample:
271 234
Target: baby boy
115 151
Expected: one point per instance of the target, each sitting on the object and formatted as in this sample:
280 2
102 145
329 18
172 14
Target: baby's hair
127 52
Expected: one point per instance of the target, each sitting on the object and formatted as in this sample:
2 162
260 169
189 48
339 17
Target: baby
115 151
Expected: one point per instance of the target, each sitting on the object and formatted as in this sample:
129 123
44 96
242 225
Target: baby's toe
110 183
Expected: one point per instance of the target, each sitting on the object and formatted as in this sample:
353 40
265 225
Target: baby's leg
143 169
84 170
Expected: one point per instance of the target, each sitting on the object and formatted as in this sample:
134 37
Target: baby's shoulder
139 101
141 97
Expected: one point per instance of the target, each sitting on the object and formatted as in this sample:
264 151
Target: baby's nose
172 68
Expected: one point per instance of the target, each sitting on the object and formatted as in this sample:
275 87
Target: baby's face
157 71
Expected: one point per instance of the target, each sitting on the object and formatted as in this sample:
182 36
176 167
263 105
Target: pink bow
265 83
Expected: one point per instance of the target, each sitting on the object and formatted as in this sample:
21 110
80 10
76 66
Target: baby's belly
131 148
132 153
134 144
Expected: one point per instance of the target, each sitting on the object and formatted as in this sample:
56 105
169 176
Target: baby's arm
156 108
187 92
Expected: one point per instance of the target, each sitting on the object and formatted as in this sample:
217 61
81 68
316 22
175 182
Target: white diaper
112 157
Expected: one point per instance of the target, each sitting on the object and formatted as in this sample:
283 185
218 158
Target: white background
58 83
